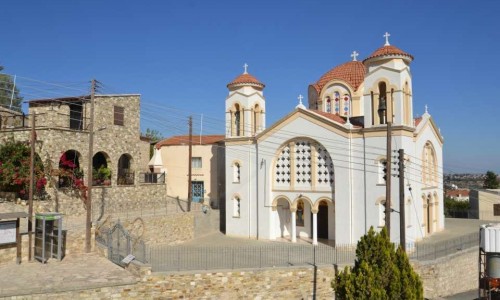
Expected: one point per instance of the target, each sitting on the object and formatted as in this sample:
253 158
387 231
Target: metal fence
167 259
182 258
431 251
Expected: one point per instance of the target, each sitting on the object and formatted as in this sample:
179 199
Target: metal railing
155 178
170 259
185 258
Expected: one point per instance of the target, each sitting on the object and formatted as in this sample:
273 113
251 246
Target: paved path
86 271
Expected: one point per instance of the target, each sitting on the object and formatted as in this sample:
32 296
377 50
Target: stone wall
449 275
292 283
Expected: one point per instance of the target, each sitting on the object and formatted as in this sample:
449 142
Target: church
319 173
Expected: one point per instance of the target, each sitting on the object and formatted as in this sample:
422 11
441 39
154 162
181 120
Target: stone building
485 204
120 154
318 173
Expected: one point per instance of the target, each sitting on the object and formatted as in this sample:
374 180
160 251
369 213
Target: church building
318 174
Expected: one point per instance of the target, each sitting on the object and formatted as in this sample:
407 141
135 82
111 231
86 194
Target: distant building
485 204
207 167
458 194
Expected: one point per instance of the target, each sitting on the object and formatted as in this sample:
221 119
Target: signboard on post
7 232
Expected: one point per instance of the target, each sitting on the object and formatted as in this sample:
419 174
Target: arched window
337 102
236 172
346 104
429 167
328 105
125 173
101 174
237 120
382 103
70 174
236 207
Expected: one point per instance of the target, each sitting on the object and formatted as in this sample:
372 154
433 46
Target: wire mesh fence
168 259
192 258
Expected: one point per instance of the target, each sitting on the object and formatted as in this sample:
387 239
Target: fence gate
119 244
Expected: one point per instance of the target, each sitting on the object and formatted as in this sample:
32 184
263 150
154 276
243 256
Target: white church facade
318 173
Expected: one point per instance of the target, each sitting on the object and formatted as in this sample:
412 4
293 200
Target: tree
491 181
379 272
6 88
155 136
15 169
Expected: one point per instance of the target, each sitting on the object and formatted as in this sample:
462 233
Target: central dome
352 72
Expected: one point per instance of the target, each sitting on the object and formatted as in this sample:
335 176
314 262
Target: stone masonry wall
292 283
449 275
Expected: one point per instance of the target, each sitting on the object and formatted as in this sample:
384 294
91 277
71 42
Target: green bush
380 272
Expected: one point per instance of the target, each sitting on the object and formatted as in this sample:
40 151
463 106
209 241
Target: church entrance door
323 221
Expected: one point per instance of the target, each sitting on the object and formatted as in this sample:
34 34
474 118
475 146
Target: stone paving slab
85 271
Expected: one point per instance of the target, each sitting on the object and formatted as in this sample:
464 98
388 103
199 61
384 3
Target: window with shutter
119 113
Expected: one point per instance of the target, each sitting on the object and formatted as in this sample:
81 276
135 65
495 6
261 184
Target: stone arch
303 198
125 174
277 198
69 168
322 199
429 164
101 169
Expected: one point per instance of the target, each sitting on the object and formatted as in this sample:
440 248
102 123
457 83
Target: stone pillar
294 227
315 226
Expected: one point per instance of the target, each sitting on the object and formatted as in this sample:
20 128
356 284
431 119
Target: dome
390 51
246 79
352 72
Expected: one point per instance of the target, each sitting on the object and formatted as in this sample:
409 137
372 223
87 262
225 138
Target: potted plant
104 174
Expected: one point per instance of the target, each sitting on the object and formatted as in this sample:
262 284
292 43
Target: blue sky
181 54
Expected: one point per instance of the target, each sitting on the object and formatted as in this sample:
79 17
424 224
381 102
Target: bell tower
388 93
245 106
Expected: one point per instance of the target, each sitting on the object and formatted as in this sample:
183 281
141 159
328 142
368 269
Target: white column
274 217
315 228
294 228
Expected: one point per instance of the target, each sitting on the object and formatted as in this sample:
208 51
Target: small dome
352 72
246 79
390 51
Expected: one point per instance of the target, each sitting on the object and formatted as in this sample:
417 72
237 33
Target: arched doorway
125 173
323 220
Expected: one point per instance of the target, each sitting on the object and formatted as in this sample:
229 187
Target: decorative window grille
283 168
236 207
236 172
303 163
328 105
324 168
347 104
337 102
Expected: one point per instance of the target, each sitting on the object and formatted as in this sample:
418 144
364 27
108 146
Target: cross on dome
300 105
354 55
387 35
245 66
300 98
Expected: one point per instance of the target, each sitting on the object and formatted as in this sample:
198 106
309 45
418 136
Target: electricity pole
88 246
32 186
190 191
388 181
402 213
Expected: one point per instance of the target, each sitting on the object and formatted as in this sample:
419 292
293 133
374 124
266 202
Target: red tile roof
457 193
352 72
388 51
184 140
417 121
246 79
333 117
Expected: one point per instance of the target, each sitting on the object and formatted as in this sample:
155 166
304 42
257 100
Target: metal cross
354 55
300 98
245 66
387 35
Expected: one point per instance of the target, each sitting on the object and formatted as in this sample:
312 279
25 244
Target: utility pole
88 246
32 186
388 181
402 213
190 187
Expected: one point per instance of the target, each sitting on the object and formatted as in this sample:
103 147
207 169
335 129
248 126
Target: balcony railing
125 178
157 178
